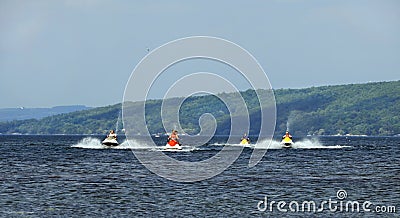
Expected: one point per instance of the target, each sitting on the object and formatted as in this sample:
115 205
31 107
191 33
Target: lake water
75 176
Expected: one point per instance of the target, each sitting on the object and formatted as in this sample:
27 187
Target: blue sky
68 52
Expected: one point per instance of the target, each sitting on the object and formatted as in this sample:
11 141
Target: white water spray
117 124
94 143
302 144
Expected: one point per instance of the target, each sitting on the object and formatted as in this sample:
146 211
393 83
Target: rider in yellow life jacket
287 135
245 137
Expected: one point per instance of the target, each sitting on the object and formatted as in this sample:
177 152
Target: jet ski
110 141
244 142
287 142
172 145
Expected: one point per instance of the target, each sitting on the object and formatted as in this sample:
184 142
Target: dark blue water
45 176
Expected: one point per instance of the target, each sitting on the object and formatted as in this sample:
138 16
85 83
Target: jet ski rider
112 135
245 137
287 135
174 136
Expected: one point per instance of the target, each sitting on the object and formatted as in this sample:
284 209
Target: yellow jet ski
244 142
286 142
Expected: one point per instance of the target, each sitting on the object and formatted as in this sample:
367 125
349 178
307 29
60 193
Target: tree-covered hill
358 109
22 113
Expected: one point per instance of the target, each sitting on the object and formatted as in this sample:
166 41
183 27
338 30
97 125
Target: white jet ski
110 141
172 148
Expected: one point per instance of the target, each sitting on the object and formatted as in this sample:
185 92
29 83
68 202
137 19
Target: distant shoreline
346 110
278 136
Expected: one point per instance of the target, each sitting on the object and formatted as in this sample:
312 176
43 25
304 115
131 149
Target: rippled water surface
76 176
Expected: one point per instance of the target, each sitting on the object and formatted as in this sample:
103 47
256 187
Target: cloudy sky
68 52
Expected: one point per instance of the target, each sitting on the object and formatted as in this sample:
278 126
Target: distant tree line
357 109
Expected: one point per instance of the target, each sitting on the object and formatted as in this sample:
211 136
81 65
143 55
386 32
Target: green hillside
358 109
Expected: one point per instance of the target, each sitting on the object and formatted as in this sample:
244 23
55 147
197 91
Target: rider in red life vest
287 135
173 139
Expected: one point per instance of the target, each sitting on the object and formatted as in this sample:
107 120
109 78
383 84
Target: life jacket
172 142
